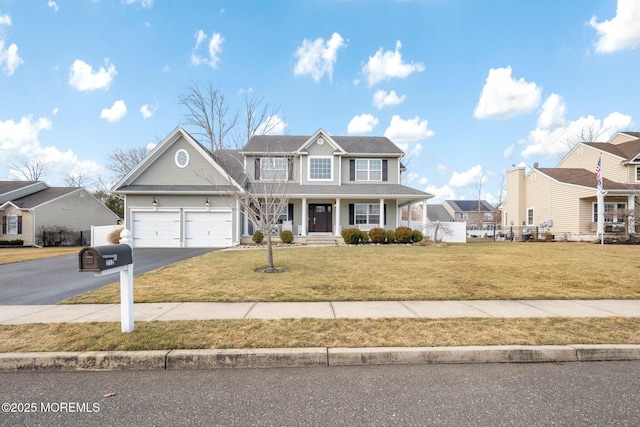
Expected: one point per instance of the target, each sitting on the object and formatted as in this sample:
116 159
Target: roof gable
160 154
470 205
582 178
14 189
43 197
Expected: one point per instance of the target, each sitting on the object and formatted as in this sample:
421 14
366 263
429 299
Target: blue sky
466 87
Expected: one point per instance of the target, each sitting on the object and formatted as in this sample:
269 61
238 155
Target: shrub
403 234
351 236
377 235
16 242
390 235
286 236
258 237
416 236
114 236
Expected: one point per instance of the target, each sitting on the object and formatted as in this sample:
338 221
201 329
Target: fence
48 238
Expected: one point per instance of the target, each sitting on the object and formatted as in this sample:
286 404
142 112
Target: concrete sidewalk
21 314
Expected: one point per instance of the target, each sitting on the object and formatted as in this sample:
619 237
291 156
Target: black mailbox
100 258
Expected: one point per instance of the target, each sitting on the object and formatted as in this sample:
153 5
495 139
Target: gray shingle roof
470 205
7 186
176 188
351 144
438 213
359 190
627 150
43 196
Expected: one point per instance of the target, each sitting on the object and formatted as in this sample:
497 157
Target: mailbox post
110 259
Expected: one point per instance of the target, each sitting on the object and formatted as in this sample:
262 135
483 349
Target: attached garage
157 229
208 229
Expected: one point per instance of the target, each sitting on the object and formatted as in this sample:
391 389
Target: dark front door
320 218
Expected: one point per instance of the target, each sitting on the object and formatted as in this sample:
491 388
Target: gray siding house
29 208
182 195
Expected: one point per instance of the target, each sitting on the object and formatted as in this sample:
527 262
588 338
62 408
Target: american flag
599 172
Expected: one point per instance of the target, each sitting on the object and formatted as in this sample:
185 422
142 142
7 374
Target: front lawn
482 270
19 254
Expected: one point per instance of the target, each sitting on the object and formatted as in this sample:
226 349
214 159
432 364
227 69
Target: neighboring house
182 195
562 200
29 208
480 216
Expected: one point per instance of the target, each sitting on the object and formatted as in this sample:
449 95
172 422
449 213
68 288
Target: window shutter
20 224
290 164
352 169
352 213
4 224
384 213
290 212
384 171
257 169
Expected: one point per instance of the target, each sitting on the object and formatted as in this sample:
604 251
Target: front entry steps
322 240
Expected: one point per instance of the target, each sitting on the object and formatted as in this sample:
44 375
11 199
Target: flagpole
600 199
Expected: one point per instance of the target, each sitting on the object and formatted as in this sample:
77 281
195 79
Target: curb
310 357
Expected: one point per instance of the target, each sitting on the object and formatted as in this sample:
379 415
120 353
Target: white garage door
208 229
156 229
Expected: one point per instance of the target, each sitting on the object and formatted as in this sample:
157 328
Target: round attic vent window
320 141
182 158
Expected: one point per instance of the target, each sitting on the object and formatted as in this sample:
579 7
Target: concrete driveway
52 280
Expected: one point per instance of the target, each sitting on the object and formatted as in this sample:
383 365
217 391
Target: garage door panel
156 229
208 229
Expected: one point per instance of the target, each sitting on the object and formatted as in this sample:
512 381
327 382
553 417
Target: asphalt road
51 280
570 394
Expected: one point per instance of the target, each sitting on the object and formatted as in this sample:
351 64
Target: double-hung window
11 224
320 168
367 213
368 170
274 169
613 212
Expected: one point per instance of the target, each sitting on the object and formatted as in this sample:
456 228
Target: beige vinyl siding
164 170
619 138
587 158
514 206
27 226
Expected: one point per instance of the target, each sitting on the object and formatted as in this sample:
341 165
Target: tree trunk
269 253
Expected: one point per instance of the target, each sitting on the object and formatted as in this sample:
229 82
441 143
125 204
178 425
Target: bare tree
589 133
112 201
209 113
264 199
122 162
32 169
78 179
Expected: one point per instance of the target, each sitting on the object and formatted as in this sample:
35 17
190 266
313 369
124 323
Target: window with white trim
530 216
367 213
274 169
11 224
368 170
320 168
613 212
637 173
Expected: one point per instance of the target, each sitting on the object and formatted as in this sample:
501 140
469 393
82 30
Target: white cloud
402 132
508 152
441 193
441 169
363 123
387 65
504 97
383 99
117 111
273 125
9 58
147 111
423 181
53 5
22 139
145 4
83 78
467 178
317 58
622 31
553 136
214 49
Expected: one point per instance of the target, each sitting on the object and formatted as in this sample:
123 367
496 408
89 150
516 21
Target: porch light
207 202
154 203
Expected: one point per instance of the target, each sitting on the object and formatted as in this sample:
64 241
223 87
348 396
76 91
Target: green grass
474 271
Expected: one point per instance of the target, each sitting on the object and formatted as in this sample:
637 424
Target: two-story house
182 195
563 200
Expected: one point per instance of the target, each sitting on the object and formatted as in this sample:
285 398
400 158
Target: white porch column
631 200
424 217
409 215
337 227
304 216
382 213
